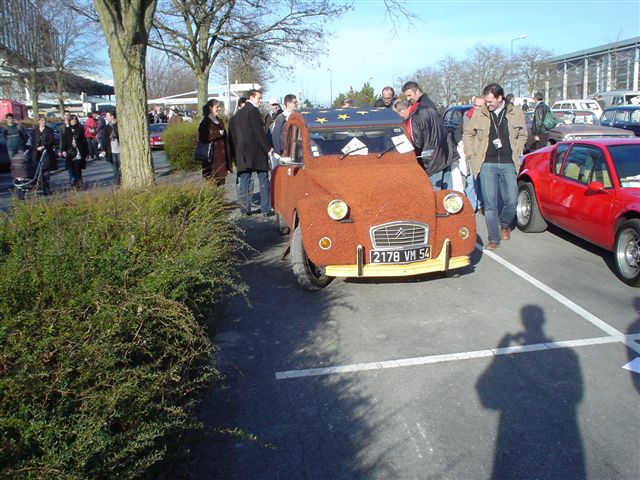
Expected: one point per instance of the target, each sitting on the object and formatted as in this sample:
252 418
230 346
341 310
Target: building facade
614 66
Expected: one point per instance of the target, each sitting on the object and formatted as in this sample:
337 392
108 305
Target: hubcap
628 253
523 210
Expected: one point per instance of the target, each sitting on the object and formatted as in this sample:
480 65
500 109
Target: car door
286 178
544 190
579 210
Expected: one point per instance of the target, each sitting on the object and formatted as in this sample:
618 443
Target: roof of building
609 47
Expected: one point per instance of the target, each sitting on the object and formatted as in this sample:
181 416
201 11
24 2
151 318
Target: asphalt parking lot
514 369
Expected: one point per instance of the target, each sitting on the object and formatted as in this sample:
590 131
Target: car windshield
157 127
577 118
625 158
358 141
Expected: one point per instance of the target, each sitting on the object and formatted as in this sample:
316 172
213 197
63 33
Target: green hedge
180 144
104 351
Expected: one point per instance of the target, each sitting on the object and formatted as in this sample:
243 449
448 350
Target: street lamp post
521 37
330 88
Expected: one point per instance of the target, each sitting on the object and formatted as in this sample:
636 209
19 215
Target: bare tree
451 79
126 25
486 64
529 63
73 51
245 67
199 31
430 82
167 76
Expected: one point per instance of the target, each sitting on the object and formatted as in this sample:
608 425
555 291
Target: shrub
180 142
104 350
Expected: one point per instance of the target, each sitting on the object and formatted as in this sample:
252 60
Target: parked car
620 97
578 104
590 188
155 134
356 203
453 116
571 127
623 116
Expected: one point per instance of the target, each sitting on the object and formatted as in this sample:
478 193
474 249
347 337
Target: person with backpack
543 122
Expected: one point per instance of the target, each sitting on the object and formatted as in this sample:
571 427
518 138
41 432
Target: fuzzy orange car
356 202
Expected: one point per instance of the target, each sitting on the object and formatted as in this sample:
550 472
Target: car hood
380 191
591 130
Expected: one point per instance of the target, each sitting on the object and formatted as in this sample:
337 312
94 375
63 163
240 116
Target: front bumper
442 263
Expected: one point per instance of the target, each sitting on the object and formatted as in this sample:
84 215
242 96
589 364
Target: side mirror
288 161
596 187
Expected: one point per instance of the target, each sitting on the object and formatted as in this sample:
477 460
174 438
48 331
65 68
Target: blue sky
362 46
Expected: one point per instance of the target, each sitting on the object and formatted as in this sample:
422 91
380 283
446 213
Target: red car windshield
625 158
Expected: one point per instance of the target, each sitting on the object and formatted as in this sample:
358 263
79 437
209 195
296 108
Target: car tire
283 228
627 252
307 274
528 216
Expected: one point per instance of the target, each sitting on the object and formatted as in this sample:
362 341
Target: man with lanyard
493 140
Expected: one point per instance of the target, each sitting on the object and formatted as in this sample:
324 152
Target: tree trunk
202 84
131 107
34 92
126 25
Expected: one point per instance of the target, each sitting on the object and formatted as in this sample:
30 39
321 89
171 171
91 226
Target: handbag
203 151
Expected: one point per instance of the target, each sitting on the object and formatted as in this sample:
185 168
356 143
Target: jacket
250 140
44 138
539 113
476 135
90 127
66 143
429 133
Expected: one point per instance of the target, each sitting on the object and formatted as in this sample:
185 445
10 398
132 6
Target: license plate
400 256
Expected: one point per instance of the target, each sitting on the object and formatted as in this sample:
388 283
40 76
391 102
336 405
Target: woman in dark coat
74 148
212 131
42 141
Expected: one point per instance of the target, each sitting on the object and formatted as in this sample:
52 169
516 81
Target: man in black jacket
251 149
541 134
429 138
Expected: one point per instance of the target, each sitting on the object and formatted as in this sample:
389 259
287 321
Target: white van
578 104
620 97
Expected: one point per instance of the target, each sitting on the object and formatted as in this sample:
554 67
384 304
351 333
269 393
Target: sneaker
270 213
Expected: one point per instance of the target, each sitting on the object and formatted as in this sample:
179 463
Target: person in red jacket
90 133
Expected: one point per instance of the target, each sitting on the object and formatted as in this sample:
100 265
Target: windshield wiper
388 149
346 154
630 179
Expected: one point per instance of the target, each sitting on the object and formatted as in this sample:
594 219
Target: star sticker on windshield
343 116
321 120
362 112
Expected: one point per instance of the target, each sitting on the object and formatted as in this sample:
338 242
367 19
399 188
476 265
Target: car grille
399 235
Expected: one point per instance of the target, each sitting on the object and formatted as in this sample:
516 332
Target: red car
591 188
155 134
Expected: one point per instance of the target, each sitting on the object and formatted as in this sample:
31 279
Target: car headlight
337 209
453 203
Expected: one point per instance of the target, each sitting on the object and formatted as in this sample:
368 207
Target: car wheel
528 216
627 252
307 274
283 228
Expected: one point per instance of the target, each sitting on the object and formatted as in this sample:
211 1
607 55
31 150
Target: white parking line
614 337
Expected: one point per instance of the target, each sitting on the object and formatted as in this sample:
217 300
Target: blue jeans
498 180
441 180
244 196
115 165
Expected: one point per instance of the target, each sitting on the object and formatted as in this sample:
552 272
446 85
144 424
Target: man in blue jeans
494 139
252 148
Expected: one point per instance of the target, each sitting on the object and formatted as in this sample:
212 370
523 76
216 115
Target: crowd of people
479 158
96 139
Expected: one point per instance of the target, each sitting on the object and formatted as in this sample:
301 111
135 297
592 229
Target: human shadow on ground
537 395
634 328
259 427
